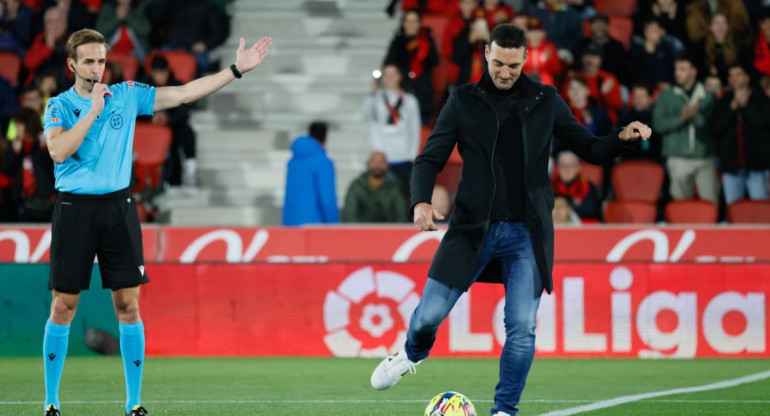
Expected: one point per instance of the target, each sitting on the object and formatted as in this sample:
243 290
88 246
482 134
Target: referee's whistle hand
424 214
97 97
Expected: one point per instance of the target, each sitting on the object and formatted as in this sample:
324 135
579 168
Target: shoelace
412 368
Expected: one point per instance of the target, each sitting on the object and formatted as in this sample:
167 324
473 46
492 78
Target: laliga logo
368 303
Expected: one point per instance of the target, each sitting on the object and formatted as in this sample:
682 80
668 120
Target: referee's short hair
82 37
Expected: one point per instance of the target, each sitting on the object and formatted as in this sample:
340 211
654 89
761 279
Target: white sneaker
501 414
390 370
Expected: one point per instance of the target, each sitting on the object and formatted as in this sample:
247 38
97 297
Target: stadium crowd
697 72
152 41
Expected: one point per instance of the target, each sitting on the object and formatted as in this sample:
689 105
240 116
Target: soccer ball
450 403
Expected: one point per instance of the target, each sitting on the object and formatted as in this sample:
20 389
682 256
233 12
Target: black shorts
105 226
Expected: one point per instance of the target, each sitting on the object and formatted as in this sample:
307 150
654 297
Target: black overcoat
468 120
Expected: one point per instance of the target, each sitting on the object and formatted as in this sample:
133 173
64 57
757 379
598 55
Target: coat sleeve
726 120
328 193
436 153
592 149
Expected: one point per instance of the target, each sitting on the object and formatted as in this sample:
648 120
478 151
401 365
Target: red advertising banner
704 244
359 309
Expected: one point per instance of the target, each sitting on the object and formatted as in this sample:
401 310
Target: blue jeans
736 184
510 243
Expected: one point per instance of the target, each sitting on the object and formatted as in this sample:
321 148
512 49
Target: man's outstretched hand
634 131
248 59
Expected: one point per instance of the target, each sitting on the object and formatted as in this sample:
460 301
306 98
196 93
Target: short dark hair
30 119
686 58
508 35
31 88
580 80
318 131
158 62
643 85
741 66
652 20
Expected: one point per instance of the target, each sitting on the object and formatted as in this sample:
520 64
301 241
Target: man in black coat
501 228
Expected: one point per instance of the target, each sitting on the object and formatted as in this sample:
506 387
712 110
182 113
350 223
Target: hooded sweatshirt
311 196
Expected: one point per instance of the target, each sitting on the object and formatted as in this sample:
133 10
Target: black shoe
136 411
51 410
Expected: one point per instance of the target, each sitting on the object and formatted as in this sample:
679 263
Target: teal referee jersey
102 163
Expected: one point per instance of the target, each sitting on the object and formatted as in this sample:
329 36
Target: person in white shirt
395 119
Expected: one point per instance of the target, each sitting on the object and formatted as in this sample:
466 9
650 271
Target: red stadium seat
749 212
151 143
437 24
127 62
637 180
629 212
621 28
182 64
624 8
691 211
10 64
593 173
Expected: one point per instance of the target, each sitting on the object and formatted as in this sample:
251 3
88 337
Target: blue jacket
311 196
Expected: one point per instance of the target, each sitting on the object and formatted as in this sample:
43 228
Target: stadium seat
637 180
182 64
625 8
691 211
749 212
10 64
621 28
127 62
437 25
594 174
629 212
151 143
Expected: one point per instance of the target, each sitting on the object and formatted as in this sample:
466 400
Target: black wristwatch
235 71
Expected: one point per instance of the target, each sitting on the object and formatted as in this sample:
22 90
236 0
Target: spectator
29 163
394 116
18 20
413 51
197 26
7 207
48 84
669 14
563 214
719 50
373 197
762 45
641 110
562 24
612 51
742 134
423 6
681 116
464 41
125 25
32 98
496 12
8 41
603 85
7 103
48 52
700 12
542 56
77 14
178 119
652 61
311 196
584 8
569 182
713 85
585 109
442 201
469 33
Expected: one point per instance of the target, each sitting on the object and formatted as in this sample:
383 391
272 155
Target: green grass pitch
315 386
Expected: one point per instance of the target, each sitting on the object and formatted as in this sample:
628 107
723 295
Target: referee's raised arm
245 61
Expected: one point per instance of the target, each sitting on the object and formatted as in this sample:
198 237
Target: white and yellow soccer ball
450 403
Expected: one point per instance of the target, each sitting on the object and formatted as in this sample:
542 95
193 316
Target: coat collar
532 93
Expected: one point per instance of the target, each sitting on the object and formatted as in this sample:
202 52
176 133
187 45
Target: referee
89 130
